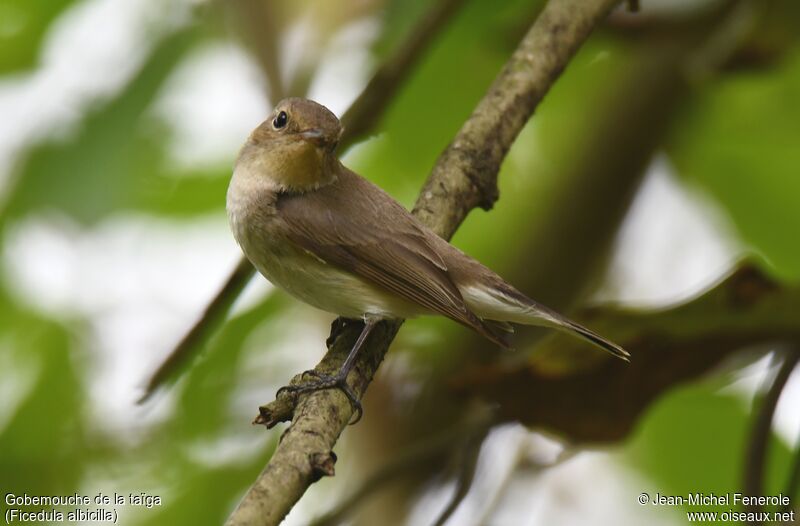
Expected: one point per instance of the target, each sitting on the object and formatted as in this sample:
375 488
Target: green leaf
43 444
204 400
441 93
114 161
694 440
23 24
738 141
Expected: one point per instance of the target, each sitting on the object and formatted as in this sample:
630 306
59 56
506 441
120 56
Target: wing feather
397 256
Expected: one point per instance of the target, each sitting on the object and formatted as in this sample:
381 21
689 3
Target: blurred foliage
43 443
23 26
117 159
735 138
693 441
738 139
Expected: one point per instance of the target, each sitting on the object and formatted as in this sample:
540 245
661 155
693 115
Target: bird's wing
373 236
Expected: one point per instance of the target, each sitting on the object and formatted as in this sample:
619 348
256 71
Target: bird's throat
306 168
294 166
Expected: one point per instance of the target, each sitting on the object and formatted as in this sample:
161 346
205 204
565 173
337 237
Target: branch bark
463 178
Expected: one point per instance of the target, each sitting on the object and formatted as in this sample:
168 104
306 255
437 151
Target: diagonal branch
794 480
367 109
466 476
358 121
567 390
464 177
756 452
472 430
261 20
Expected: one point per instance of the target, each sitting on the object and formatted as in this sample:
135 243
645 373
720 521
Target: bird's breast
322 285
260 232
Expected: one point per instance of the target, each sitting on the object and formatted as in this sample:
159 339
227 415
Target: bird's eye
280 121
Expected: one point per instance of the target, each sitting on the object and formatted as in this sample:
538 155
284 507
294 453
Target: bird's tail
571 327
510 305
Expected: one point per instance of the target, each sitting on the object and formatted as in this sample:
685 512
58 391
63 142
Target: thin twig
793 481
468 464
263 24
491 501
366 110
464 177
358 121
762 428
201 331
405 461
521 461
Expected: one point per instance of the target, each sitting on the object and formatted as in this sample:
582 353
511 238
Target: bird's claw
326 381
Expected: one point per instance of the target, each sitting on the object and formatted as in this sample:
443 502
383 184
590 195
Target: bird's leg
339 380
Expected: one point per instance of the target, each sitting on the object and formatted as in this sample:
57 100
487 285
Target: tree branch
756 452
358 120
468 466
793 480
367 109
578 394
409 459
262 22
464 177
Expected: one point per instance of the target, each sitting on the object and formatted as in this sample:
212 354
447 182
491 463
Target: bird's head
295 146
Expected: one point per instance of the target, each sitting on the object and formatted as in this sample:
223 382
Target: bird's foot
326 381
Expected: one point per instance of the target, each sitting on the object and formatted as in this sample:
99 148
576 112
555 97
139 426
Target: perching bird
338 242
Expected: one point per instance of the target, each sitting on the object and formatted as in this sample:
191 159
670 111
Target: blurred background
655 195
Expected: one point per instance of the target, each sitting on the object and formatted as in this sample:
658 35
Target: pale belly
327 287
300 273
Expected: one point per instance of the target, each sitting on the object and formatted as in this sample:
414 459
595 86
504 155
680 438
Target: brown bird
338 242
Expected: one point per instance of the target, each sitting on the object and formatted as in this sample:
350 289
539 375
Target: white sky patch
213 101
673 244
501 454
517 484
225 451
299 49
750 382
90 52
672 9
345 67
591 484
786 422
139 281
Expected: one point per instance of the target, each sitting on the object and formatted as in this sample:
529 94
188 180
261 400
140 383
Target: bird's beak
315 136
320 138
